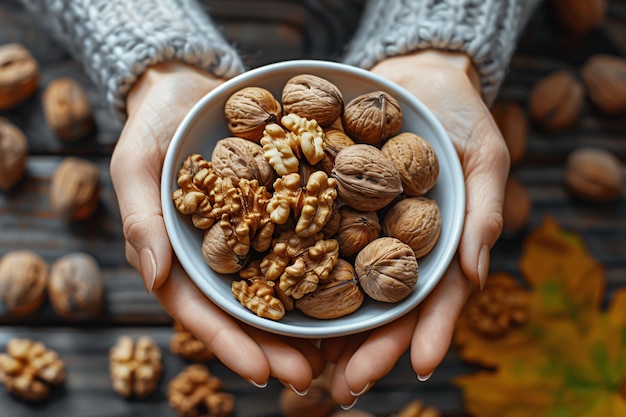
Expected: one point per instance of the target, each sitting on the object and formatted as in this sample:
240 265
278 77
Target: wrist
155 75
459 60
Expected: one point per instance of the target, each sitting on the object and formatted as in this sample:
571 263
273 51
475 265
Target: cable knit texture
486 30
117 39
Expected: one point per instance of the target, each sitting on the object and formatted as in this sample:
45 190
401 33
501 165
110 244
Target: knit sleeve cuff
116 40
485 30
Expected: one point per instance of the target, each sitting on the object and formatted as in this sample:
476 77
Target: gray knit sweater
117 39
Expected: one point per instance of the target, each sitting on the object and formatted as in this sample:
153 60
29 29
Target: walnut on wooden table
23 280
29 370
195 392
75 287
19 75
135 367
13 154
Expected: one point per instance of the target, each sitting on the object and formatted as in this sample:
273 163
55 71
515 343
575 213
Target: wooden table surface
27 221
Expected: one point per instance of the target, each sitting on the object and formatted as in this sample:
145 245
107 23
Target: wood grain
27 221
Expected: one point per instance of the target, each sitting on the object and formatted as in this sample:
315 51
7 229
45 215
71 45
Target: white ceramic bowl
205 125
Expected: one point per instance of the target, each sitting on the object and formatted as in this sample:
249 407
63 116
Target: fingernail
294 389
483 265
424 378
359 393
349 406
256 384
148 269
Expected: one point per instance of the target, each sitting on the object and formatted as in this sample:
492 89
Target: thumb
485 183
135 173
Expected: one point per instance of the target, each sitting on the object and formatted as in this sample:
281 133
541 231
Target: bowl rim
278 327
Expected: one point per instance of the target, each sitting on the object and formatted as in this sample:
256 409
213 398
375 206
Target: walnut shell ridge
313 97
387 269
415 221
372 117
248 110
366 179
416 161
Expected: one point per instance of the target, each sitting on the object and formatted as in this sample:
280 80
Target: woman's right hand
156 105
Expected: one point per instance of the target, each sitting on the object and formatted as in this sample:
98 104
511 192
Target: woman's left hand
441 81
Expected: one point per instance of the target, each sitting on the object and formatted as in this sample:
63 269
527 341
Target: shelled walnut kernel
294 224
195 392
183 343
29 370
500 307
135 366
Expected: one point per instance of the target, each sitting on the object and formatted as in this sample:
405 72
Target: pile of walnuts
312 201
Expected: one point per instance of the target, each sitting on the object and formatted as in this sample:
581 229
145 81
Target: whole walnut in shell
517 205
372 117
75 189
415 221
366 179
556 101
67 109
387 269
13 154
594 174
23 279
334 141
75 287
19 75
356 230
513 125
338 296
248 110
218 254
416 161
604 77
313 97
237 158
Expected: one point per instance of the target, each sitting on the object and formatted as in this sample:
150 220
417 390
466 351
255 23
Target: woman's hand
447 85
156 105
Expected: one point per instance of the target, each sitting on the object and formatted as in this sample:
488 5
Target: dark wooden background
27 221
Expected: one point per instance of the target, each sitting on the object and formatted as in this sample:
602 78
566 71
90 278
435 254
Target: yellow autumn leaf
556 260
616 311
569 357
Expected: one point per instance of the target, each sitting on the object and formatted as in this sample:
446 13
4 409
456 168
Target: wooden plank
27 221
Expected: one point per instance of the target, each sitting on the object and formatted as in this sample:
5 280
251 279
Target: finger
294 362
338 387
394 339
332 347
220 332
136 179
486 168
435 327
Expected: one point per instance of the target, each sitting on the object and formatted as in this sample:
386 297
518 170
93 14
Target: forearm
486 31
116 40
